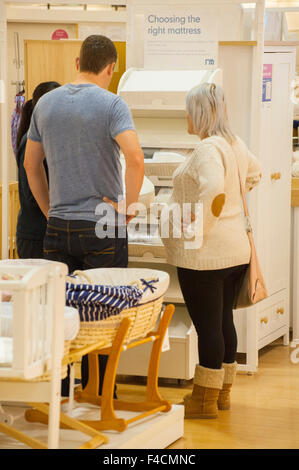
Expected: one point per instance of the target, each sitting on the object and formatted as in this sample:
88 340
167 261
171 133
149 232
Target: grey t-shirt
77 125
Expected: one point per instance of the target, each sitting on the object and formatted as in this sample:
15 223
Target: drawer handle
264 320
275 176
280 311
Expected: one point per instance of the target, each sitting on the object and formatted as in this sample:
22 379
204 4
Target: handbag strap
242 190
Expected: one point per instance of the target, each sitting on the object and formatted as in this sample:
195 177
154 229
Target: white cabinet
274 209
271 211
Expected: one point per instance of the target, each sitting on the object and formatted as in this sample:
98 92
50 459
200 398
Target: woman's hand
186 225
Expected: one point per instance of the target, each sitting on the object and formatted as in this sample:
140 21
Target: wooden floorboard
264 412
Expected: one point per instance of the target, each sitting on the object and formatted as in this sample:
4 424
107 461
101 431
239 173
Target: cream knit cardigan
210 175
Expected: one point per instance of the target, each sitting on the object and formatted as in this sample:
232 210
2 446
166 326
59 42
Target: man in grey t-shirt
80 129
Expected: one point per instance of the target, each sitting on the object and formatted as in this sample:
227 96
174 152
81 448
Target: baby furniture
137 324
36 331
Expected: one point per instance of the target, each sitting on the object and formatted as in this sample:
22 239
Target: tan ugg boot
230 371
202 403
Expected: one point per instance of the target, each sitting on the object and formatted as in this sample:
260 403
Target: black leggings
209 297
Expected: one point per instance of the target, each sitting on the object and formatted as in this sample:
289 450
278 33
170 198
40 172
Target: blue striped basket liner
97 302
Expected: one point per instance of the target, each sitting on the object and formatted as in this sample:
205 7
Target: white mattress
6 351
127 276
147 191
71 321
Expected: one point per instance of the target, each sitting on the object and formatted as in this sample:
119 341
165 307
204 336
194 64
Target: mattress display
145 239
147 191
163 163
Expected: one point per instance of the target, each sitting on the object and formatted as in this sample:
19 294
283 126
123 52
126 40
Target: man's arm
36 174
130 146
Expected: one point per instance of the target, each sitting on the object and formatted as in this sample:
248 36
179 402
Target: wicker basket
143 320
143 317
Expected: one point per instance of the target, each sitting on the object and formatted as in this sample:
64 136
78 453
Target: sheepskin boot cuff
230 371
209 378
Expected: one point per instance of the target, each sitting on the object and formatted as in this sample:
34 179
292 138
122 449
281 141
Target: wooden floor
264 412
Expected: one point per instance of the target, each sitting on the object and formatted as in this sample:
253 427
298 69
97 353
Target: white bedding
127 276
6 351
71 321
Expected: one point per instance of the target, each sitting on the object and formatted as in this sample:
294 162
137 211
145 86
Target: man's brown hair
96 53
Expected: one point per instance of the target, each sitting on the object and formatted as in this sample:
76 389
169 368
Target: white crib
36 346
35 340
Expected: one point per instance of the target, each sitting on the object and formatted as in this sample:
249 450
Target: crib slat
36 322
30 326
48 321
44 319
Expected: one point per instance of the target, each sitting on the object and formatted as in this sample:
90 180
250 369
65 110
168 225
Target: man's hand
121 208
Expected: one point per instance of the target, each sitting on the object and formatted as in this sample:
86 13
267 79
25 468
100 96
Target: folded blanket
97 302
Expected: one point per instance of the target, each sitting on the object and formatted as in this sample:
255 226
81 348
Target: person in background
81 143
31 224
209 275
16 118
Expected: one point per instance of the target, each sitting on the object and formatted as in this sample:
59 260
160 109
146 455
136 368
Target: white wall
113 30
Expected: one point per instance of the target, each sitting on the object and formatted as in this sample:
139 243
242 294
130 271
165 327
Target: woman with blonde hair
209 274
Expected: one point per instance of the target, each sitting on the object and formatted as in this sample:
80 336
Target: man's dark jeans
75 243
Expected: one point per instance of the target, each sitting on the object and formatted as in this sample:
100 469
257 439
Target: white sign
180 38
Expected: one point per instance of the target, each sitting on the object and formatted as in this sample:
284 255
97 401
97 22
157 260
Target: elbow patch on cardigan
217 204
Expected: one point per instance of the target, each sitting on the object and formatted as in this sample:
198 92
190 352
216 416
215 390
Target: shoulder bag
252 288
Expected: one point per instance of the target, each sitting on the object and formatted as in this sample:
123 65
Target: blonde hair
206 107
